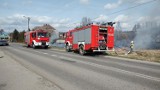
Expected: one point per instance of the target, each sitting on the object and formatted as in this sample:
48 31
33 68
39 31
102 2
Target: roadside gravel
13 76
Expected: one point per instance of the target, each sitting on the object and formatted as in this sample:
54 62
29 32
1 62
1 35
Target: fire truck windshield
42 34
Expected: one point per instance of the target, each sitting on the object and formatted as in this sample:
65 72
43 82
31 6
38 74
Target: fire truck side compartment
82 36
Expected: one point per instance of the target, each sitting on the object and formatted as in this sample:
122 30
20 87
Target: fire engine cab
91 38
37 38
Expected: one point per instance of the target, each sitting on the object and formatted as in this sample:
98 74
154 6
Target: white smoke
54 37
148 33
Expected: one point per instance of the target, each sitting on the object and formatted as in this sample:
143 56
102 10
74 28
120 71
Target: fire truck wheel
81 50
67 48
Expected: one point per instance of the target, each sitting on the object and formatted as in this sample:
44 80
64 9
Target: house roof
46 27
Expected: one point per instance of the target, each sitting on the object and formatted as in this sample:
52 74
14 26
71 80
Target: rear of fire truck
105 40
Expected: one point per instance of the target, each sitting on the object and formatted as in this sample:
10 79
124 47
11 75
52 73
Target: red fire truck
37 38
91 38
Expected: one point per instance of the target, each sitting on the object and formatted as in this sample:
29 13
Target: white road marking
116 69
37 51
75 55
111 68
45 53
124 71
133 60
54 55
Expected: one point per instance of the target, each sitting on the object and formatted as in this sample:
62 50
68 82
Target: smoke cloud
147 36
148 31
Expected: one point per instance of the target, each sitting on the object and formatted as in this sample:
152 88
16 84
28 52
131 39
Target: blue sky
66 14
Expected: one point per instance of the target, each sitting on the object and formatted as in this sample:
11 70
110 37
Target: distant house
46 27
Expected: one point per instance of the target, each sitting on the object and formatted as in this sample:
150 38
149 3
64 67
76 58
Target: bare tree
85 21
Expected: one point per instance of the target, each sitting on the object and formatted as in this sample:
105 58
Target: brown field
146 55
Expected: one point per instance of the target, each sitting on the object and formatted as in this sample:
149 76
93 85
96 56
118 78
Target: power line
125 9
132 7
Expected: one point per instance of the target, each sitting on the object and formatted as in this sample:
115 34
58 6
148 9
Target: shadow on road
95 54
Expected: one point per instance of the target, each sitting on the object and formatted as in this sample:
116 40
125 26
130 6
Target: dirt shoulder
144 55
13 76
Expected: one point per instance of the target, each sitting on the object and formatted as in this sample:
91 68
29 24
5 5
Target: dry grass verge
146 55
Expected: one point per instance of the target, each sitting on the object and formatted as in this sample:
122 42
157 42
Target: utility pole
28 18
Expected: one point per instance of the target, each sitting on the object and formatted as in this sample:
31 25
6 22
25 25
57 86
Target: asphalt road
70 71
